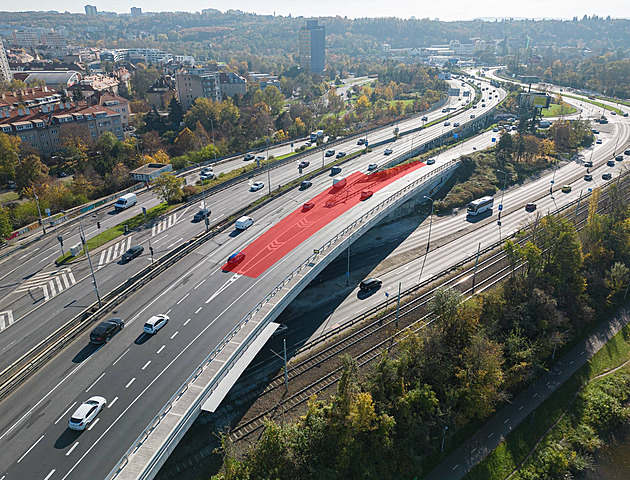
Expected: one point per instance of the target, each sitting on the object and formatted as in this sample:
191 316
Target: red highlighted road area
307 220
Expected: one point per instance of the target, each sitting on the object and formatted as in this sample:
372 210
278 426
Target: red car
307 206
365 194
236 258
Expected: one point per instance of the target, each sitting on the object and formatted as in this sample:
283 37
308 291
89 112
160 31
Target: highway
31 416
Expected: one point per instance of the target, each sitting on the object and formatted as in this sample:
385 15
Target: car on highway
207 169
611 163
424 119
606 176
133 252
365 194
588 177
612 112
388 151
369 284
86 413
474 106
472 115
483 105
456 124
155 323
257 186
249 156
619 158
206 176
104 331
588 164
625 114
307 206
566 188
372 166
236 258
335 170
304 164
430 161
329 153
244 223
495 129
305 184
361 141
626 152
446 124
340 154
595 131
530 207
201 214
260 158
281 330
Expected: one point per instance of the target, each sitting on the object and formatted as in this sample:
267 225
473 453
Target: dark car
340 154
249 156
361 141
201 214
606 176
236 258
370 284
619 158
530 207
106 330
304 164
133 252
305 184
610 163
335 170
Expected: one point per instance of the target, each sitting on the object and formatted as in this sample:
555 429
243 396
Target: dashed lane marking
6 319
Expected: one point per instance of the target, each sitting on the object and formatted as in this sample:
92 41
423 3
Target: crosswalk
114 252
6 319
162 225
51 283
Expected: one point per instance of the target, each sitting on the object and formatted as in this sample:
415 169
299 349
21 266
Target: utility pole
144 211
348 268
87 251
398 305
268 163
286 370
475 270
39 212
426 254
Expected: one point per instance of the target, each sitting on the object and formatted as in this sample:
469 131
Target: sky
446 10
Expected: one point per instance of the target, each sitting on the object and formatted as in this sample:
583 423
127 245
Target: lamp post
214 148
87 251
503 193
443 437
426 197
39 212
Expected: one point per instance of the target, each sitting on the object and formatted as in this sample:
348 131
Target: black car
340 154
304 164
106 330
249 156
370 284
133 252
305 184
200 215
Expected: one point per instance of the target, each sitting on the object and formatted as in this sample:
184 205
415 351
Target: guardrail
272 293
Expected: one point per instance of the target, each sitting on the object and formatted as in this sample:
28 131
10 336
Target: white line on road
520 408
199 284
185 323
197 311
161 348
93 424
47 476
118 359
455 467
24 256
146 365
174 335
72 448
65 413
111 404
32 447
102 375
7 274
130 382
506 420
183 298
491 435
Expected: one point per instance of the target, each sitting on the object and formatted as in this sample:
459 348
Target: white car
257 186
86 412
206 176
155 323
372 166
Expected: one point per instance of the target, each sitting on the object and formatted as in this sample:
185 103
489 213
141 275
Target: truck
126 201
317 135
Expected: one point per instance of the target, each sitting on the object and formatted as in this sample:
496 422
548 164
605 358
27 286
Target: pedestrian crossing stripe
51 283
6 319
113 252
162 225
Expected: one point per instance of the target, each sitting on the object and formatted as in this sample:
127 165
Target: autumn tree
30 171
168 187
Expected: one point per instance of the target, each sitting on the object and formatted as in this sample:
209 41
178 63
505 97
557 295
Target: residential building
386 48
30 98
160 93
264 80
91 84
148 55
5 71
136 12
26 38
197 83
116 103
44 128
90 10
312 47
54 39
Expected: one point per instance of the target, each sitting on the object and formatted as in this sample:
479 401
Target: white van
244 223
339 182
126 201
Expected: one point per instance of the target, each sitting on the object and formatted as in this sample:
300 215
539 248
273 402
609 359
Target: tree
185 141
142 79
5 223
168 187
175 112
30 171
9 146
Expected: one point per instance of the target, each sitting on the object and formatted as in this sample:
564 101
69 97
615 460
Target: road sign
494 139
500 207
144 210
47 211
552 181
60 239
316 251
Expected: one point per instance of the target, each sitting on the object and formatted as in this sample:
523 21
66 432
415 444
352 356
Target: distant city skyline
447 11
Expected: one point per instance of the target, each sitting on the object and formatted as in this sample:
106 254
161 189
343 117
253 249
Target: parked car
329 153
341 154
304 164
257 186
104 331
133 252
12 185
155 323
606 176
388 151
370 284
86 413
619 158
372 166
566 188
305 184
236 258
626 152
201 214
249 156
495 129
530 207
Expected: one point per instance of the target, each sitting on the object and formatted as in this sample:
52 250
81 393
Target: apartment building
5 71
213 85
148 55
312 47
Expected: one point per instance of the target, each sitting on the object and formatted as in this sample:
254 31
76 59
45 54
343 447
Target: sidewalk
488 437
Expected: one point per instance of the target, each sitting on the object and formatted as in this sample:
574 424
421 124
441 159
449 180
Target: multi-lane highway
135 373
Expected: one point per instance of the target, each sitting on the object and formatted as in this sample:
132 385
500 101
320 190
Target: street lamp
214 148
87 251
444 437
426 197
39 212
503 193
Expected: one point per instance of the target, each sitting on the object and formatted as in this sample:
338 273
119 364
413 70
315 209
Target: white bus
480 205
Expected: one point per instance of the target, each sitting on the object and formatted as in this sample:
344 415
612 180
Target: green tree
175 112
5 223
142 79
9 149
30 171
168 187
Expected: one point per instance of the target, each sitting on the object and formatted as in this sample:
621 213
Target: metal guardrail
274 291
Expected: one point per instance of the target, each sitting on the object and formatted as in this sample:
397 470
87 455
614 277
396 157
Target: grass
118 230
511 452
558 109
10 196
597 104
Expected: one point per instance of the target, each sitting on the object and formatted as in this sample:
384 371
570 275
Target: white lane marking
232 279
197 311
88 389
199 284
111 404
101 260
155 242
47 476
46 258
72 448
6 319
71 277
116 246
168 311
46 296
65 280
161 348
128 243
6 275
183 298
93 424
59 284
146 365
185 323
51 284
130 382
32 447
24 256
65 413
118 359
174 335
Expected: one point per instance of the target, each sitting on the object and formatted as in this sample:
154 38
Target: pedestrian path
51 283
162 225
6 319
114 252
